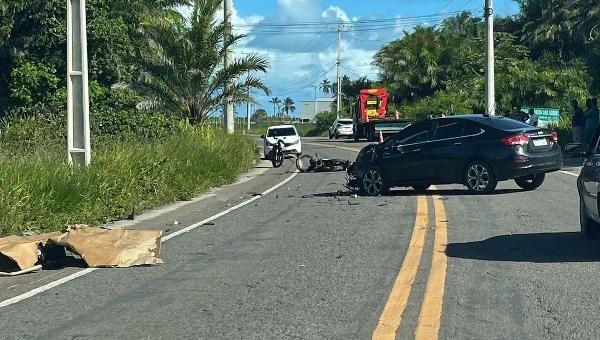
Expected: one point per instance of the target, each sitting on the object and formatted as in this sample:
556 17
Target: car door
402 158
590 178
446 150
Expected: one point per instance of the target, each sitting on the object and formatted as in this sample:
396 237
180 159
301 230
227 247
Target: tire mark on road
391 316
431 310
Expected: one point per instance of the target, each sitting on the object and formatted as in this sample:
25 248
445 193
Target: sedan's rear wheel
531 182
373 184
589 227
479 177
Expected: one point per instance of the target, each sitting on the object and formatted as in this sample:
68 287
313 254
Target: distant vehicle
371 117
476 151
341 127
587 185
292 143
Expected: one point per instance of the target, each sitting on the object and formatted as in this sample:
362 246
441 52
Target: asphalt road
309 261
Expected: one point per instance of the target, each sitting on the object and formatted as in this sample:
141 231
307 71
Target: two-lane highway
307 260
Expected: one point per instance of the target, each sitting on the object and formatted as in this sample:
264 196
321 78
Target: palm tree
288 106
562 26
413 63
183 63
325 86
275 101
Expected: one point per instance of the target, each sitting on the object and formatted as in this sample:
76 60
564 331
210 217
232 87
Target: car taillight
519 139
555 136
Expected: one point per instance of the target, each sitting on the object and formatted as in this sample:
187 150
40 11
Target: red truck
371 117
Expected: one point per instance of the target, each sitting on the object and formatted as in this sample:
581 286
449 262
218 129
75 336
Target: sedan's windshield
345 121
281 132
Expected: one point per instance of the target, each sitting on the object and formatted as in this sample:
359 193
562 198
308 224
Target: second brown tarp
112 247
19 253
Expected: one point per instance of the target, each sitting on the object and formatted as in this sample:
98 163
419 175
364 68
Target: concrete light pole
78 103
228 115
490 90
248 105
338 64
315 86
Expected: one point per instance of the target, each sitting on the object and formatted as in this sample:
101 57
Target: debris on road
21 253
97 247
112 247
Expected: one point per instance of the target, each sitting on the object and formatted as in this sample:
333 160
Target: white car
288 134
341 127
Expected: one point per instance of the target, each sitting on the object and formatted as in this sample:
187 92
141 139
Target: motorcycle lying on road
308 163
276 155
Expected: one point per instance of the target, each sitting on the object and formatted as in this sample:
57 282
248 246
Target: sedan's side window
447 130
418 135
471 130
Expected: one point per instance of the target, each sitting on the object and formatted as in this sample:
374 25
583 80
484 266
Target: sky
298 37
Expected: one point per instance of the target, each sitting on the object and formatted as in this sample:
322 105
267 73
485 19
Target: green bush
39 191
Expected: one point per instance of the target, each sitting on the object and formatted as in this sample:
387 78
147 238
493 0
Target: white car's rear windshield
346 121
281 132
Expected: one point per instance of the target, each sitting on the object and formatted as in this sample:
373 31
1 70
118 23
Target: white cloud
334 12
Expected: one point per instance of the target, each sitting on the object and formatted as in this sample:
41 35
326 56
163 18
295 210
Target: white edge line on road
568 173
81 273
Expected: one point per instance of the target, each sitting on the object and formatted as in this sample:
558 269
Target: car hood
285 139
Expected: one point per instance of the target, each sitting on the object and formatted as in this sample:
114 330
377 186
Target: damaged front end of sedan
357 170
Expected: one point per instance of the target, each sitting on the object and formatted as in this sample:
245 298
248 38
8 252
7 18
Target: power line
355 22
303 80
356 26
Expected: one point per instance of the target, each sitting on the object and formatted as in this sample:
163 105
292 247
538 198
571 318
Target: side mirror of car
263 136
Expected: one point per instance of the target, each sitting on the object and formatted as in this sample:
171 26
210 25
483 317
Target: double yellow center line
431 310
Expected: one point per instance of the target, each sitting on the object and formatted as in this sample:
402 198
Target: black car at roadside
476 150
588 185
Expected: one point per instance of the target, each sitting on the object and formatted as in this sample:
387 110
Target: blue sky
301 57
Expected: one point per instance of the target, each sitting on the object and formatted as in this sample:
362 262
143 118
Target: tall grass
39 191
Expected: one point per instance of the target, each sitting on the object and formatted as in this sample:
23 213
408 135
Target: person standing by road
591 119
577 122
533 118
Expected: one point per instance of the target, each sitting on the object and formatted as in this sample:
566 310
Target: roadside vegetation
155 79
41 192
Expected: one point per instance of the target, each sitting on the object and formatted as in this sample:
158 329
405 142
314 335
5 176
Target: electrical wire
303 81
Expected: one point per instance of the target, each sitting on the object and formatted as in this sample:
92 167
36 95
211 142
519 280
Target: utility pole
315 86
490 90
78 102
248 105
338 63
229 122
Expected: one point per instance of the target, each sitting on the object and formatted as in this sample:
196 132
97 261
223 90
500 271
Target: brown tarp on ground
112 247
21 253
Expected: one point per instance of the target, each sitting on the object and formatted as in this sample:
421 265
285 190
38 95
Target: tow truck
372 119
